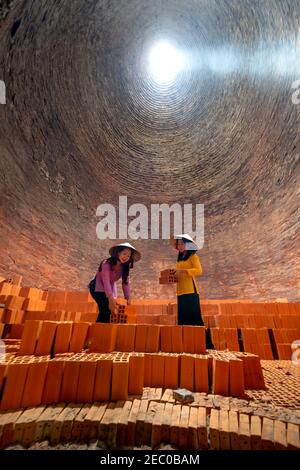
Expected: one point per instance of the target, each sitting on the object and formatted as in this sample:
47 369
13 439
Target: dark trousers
189 313
104 312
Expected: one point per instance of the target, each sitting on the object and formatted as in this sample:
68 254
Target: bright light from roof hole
165 62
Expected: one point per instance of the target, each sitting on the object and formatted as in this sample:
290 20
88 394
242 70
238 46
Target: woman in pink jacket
117 266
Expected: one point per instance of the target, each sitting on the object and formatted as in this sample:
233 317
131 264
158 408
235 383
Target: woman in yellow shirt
187 267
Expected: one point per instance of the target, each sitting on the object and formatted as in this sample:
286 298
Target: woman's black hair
112 260
186 254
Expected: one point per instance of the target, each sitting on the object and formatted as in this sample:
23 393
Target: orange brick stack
85 378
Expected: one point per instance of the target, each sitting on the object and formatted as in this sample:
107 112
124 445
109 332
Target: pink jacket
106 281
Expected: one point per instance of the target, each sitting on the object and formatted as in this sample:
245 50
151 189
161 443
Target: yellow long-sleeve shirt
185 282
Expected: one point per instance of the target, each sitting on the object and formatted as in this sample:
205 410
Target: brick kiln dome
86 120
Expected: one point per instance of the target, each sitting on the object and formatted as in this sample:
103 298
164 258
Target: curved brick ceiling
86 121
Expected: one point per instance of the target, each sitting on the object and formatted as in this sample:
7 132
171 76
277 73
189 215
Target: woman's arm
126 288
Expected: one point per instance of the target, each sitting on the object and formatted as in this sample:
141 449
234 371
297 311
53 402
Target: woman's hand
112 304
128 301
180 272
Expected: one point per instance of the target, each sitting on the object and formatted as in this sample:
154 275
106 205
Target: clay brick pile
66 377
283 338
267 329
122 358
155 312
154 419
84 378
247 314
21 304
46 337
282 379
25 303
225 338
267 343
147 338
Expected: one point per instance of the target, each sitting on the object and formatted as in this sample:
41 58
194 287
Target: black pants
189 313
104 312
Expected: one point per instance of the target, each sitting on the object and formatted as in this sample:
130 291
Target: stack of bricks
210 313
163 312
153 419
231 430
26 303
146 338
41 338
257 341
168 276
121 314
225 338
267 329
165 343
20 304
282 379
283 339
267 343
242 371
85 378
229 314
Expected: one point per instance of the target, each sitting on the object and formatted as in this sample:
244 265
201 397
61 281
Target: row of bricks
183 339
139 314
260 318
134 315
69 337
147 338
257 341
285 335
270 343
26 304
39 338
256 321
30 381
258 308
15 289
149 309
16 317
250 371
148 319
143 422
11 316
223 306
149 314
14 311
71 304
248 314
